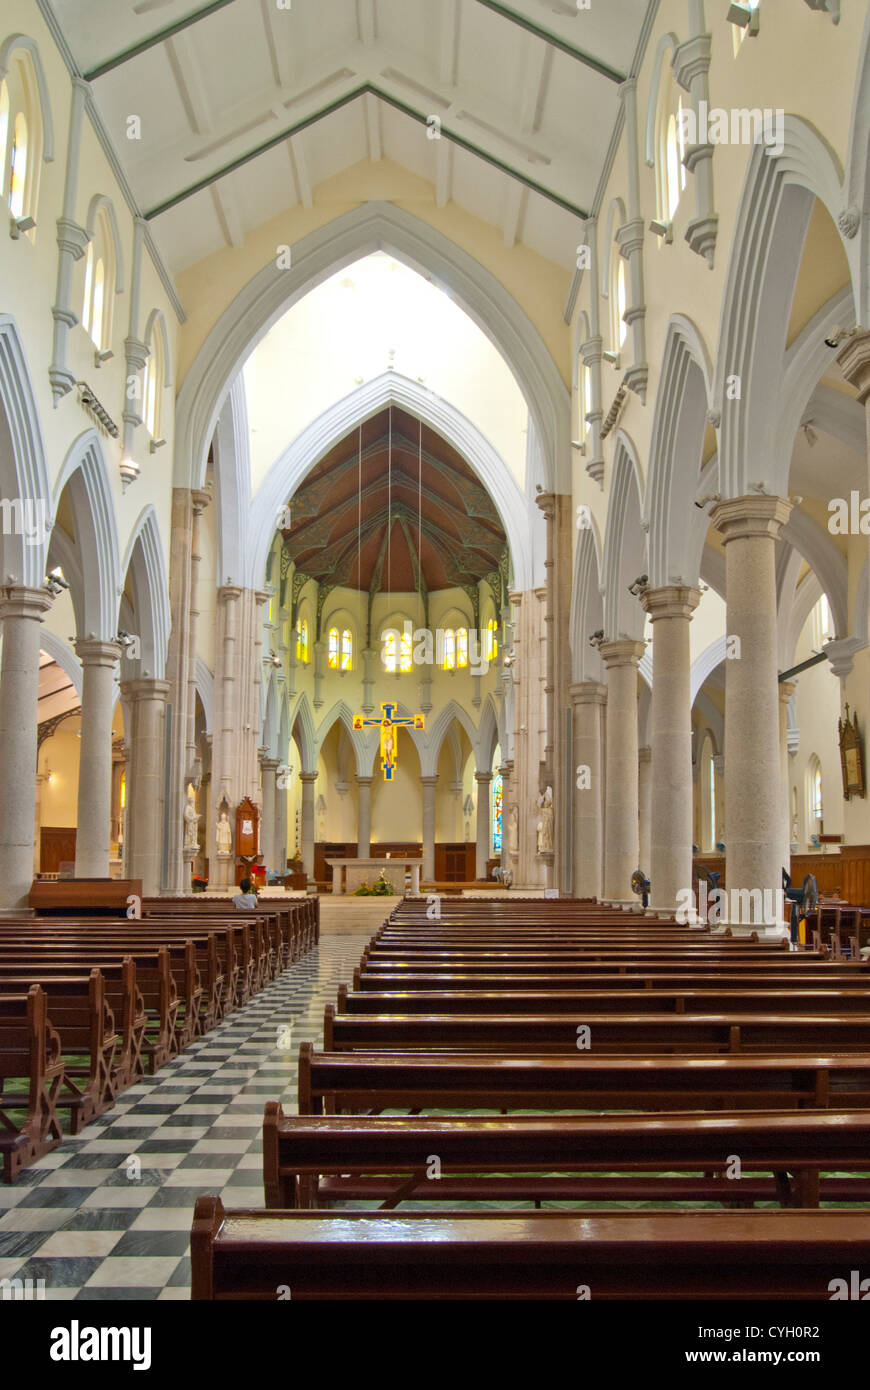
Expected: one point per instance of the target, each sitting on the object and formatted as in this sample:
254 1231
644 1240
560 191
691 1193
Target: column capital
644 755
670 601
588 693
17 601
854 361
841 654
483 777
515 597
261 595
269 764
92 651
755 516
786 690
226 592
364 781
309 778
429 781
547 503
145 689
624 652
200 499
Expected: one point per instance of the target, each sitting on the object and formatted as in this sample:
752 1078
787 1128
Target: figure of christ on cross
387 723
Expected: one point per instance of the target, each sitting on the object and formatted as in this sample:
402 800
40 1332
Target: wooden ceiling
444 530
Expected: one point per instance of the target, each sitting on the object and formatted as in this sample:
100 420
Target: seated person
246 897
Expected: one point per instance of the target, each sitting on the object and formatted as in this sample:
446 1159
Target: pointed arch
587 610
342 713
775 208
624 543
84 475
376 226
316 440
301 724
63 654
677 529
102 200
487 736
439 730
23 471
205 690
23 41
269 717
145 560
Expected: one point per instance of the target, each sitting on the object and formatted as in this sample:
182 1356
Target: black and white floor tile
108 1214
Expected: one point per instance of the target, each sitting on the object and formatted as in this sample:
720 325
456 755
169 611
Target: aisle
108 1214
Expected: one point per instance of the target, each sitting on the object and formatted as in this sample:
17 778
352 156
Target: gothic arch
85 476
439 731
372 227
30 46
23 471
774 212
623 614
63 654
101 200
342 713
144 557
587 610
205 690
677 528
335 423
301 724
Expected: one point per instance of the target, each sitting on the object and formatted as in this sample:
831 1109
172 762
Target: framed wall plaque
851 757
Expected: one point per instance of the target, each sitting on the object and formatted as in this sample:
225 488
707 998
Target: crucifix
387 723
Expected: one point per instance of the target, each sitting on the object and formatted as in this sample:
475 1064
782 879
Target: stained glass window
347 650
405 657
462 646
491 640
390 653
449 662
302 640
496 813
332 648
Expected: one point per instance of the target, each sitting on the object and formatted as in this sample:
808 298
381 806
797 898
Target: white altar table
348 874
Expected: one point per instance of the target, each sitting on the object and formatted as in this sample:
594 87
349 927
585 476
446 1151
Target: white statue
224 836
545 821
514 832
191 823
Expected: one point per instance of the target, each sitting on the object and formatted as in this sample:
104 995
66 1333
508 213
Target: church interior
434 650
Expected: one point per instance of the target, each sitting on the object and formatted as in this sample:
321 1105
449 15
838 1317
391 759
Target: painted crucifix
388 724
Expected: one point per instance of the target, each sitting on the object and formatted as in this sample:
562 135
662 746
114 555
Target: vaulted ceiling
246 106
444 530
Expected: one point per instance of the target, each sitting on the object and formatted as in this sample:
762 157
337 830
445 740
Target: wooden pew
85 1024
360 1082
154 981
691 999
653 1032
122 995
30 1051
527 1255
794 1146
833 976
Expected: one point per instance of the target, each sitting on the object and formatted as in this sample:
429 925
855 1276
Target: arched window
815 805
822 624
346 649
405 652
302 640
21 137
491 640
449 661
618 298
462 646
496 793
155 383
18 167
675 169
390 652
333 649
100 281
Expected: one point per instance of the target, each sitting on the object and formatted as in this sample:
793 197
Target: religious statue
224 836
545 822
191 822
514 832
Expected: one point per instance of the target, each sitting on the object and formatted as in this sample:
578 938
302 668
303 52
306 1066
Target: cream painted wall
371 316
817 709
60 756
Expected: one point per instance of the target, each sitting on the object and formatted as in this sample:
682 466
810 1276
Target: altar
349 874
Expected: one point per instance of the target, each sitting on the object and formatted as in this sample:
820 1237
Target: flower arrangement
382 888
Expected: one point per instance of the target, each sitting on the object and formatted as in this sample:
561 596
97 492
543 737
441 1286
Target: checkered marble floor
108 1214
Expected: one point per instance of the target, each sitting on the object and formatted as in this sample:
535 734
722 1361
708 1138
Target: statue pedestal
189 853
223 871
547 858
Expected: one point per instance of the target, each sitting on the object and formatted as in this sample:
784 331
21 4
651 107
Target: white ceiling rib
527 94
